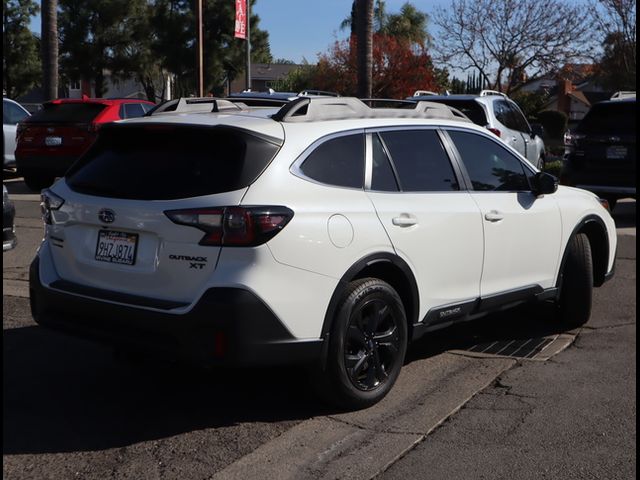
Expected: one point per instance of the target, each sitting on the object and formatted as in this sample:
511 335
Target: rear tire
576 289
37 182
367 345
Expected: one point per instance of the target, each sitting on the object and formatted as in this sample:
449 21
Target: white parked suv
499 114
325 232
12 114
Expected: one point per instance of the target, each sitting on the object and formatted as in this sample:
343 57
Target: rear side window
504 114
132 110
420 161
67 113
470 108
163 162
338 162
490 167
610 118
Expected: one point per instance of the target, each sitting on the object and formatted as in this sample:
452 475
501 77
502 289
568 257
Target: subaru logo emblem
107 216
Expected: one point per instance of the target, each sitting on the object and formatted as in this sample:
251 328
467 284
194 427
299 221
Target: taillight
49 202
20 131
234 226
494 131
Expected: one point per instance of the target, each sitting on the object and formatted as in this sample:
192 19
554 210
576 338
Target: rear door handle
493 216
404 221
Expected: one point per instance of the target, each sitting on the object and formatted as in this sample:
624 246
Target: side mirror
544 184
537 130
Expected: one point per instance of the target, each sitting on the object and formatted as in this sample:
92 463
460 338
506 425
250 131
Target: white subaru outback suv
326 233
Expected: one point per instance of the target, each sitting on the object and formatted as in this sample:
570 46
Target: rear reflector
495 131
234 226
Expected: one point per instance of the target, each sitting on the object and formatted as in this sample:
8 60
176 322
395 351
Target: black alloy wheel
372 346
367 345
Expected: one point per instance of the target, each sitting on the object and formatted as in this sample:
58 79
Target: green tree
615 20
224 55
20 60
410 24
93 36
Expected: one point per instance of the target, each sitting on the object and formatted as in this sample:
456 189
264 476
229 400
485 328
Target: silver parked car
12 113
499 114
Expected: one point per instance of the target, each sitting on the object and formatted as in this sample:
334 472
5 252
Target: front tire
367 345
576 289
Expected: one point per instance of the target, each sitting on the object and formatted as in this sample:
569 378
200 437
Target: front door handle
493 216
404 221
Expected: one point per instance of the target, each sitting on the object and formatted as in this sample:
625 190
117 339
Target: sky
301 29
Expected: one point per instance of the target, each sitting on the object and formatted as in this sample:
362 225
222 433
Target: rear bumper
54 165
228 326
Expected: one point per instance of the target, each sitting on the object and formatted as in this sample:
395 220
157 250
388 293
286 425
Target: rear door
432 222
113 231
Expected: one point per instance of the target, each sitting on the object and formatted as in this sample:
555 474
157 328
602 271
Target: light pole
199 42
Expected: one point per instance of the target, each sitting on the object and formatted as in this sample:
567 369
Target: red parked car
52 139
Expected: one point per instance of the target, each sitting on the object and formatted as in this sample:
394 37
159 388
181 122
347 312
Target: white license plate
53 141
117 247
617 152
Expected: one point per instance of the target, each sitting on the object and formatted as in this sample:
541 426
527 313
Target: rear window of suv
610 118
470 108
67 113
163 162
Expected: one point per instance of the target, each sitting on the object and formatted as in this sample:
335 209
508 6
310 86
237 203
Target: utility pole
49 49
248 76
199 41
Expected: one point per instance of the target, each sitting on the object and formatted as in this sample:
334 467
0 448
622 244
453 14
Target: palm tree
49 29
364 38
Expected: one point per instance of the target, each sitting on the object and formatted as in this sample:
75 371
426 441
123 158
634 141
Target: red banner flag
241 19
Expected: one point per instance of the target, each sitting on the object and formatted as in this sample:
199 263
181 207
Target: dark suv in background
602 154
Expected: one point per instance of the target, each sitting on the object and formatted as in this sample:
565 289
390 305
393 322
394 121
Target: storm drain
525 348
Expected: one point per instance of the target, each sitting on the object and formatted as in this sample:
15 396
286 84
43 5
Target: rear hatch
59 129
113 232
604 146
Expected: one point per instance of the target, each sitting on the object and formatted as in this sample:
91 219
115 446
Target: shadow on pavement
63 394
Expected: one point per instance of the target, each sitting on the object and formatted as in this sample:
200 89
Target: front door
522 231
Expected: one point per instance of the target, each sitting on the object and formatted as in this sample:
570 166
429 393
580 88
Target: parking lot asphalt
72 410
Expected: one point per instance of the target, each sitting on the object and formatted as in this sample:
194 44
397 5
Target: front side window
132 110
338 162
490 166
420 160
